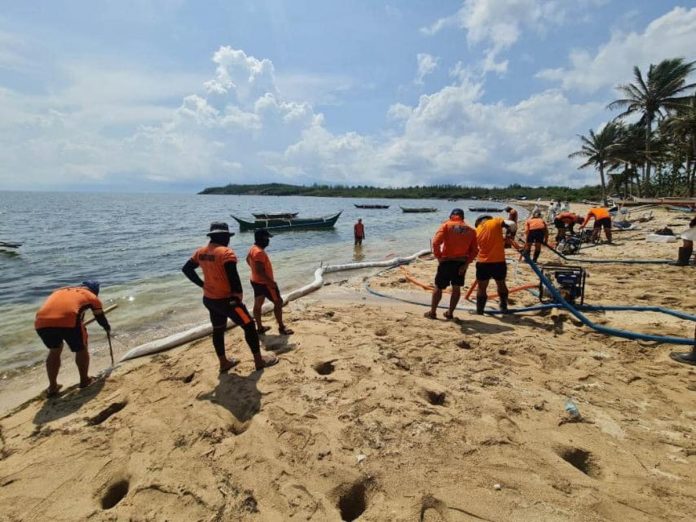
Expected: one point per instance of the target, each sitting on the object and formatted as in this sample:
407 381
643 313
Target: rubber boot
481 303
504 302
684 256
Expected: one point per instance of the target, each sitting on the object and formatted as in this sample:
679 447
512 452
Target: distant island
419 192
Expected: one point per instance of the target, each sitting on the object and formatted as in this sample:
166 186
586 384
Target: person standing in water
60 319
359 232
263 283
222 295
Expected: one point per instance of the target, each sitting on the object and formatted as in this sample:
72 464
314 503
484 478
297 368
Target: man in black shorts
490 236
454 247
263 283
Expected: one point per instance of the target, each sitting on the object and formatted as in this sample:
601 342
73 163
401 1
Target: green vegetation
663 137
419 192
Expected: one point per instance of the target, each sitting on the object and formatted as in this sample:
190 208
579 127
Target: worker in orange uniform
602 219
60 319
359 232
564 222
512 214
454 247
263 283
222 295
491 234
536 233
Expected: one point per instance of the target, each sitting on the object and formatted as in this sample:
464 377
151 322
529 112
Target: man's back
64 307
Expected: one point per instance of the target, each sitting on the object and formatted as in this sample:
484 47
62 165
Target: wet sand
376 412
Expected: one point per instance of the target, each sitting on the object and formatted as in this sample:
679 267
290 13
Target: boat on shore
486 209
281 225
370 206
419 210
280 215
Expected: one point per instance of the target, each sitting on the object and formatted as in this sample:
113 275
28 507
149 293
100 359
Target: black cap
457 212
219 227
261 233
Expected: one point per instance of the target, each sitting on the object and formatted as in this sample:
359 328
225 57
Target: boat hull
281 225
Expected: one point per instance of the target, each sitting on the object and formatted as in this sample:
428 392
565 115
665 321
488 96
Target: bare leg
258 303
278 312
82 362
481 296
502 294
454 300
607 232
52 368
434 301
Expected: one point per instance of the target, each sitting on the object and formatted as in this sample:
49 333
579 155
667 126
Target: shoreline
375 410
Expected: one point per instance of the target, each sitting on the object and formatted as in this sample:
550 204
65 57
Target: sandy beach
376 413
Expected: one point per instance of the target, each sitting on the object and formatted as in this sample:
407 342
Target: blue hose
611 261
658 309
626 334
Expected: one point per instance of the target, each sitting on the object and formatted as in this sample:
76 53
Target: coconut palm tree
598 149
663 90
681 127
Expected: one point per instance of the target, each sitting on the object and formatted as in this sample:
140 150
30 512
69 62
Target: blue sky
175 95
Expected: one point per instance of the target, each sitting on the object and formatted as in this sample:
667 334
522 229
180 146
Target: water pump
568 280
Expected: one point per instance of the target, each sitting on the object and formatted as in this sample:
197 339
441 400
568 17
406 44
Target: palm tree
598 149
681 127
661 92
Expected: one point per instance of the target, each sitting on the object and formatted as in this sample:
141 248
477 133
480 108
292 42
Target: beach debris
497 487
464 345
540 406
360 458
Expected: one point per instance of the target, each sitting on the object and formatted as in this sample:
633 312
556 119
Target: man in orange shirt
454 247
222 295
60 319
263 283
602 219
565 221
359 232
490 236
512 214
536 233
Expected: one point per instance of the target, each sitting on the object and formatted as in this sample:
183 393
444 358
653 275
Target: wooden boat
9 247
418 209
486 209
280 225
370 206
281 215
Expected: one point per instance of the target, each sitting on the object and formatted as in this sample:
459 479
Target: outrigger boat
485 209
9 247
370 206
280 225
418 209
282 215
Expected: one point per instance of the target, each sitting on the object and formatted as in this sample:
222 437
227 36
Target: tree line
649 149
417 192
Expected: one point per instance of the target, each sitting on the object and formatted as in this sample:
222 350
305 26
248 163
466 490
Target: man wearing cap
454 247
60 319
263 283
222 295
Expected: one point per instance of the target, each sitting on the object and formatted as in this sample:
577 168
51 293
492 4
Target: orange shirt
359 230
512 215
491 243
597 213
455 239
212 259
258 255
534 224
65 307
567 217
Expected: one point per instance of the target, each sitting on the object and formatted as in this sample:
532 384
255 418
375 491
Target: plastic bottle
572 409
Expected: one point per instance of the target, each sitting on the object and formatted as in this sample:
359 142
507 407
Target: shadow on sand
70 401
237 394
277 344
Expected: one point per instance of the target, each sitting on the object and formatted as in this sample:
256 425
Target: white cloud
498 24
669 36
427 63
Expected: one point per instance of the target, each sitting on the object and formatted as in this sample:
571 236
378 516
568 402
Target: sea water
136 244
